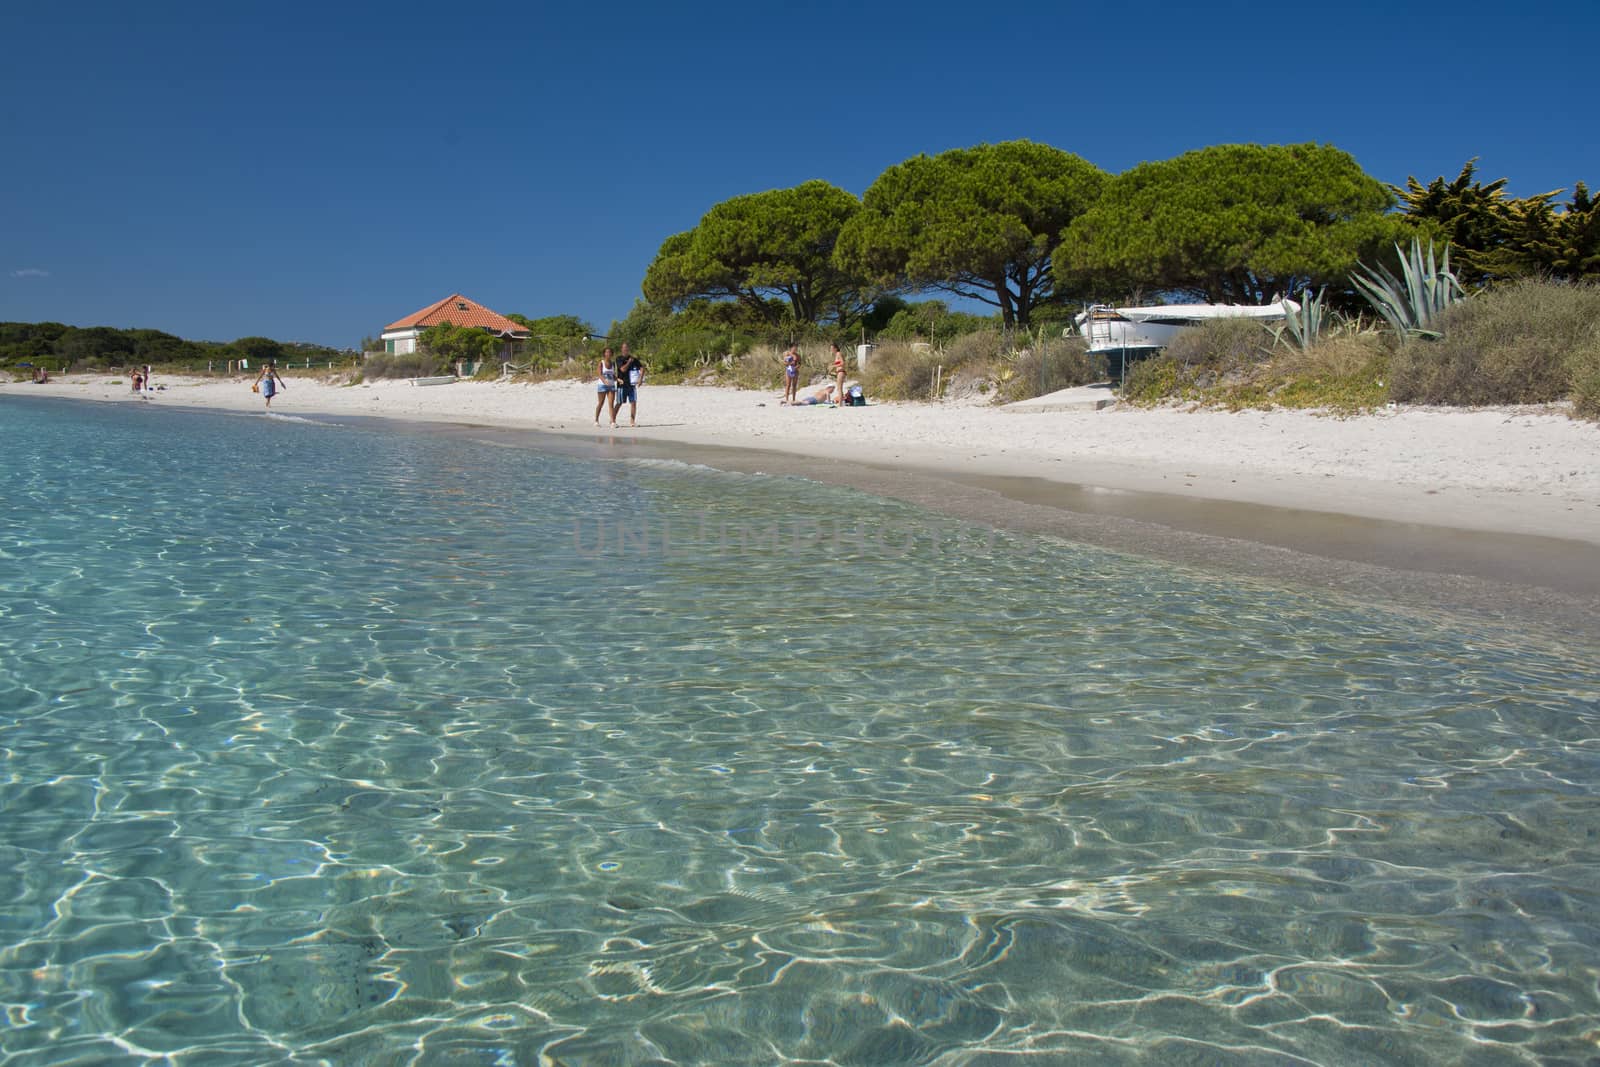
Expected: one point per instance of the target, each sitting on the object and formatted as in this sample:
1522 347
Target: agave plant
1303 325
1413 306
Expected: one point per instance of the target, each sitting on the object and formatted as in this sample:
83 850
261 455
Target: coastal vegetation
1444 291
1530 341
63 348
1231 224
1036 233
771 253
982 223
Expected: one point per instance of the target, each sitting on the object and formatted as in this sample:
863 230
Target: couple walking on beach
620 379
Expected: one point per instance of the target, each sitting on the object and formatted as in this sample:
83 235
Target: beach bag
855 398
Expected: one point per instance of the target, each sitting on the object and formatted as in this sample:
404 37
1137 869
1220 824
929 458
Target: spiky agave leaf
1304 324
1386 294
1413 306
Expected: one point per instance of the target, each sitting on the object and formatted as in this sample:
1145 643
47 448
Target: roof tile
459 311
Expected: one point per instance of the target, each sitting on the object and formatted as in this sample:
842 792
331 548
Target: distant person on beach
791 374
148 388
607 389
138 381
630 373
837 367
268 382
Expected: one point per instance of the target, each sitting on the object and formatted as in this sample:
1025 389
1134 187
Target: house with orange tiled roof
404 335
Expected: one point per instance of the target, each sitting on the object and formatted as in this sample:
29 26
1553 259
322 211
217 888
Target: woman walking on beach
838 375
607 389
268 382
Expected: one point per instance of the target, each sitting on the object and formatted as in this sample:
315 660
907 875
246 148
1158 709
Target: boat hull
1142 331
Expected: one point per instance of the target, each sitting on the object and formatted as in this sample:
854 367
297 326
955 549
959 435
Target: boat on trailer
1141 331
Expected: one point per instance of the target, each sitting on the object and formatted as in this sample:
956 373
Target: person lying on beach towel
823 395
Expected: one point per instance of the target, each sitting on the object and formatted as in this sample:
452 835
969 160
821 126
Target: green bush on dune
420 364
1586 382
1531 341
1220 352
1527 342
1048 364
1232 363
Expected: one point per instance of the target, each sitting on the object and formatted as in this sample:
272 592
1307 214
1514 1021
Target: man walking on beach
630 372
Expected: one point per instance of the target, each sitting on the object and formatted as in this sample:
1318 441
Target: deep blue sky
313 172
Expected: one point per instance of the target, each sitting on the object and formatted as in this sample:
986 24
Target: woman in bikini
791 374
838 374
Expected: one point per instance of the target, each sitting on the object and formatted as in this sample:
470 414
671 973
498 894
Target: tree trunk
1008 314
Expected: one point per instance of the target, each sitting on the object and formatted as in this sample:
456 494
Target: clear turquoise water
322 744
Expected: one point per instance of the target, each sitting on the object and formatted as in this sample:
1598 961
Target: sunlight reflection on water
330 745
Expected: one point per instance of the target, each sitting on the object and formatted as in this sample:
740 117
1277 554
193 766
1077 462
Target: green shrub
1586 381
1219 352
1150 381
933 321
976 348
1048 364
679 350
403 365
1346 372
577 367
1220 349
762 368
1527 342
899 371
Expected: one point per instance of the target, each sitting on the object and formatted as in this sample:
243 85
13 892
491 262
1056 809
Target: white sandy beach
1520 471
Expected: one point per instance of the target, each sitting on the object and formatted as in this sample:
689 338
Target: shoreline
1377 506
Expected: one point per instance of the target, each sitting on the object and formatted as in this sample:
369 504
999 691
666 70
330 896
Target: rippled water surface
322 744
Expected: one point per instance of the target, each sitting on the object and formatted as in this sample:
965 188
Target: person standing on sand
838 375
268 382
630 372
791 374
607 389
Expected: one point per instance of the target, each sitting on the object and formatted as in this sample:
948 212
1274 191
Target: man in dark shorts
629 373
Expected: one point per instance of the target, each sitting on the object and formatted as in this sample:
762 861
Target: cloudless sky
312 172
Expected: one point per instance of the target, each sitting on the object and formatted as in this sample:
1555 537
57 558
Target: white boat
1141 331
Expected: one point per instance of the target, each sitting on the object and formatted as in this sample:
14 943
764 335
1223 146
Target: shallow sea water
331 745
